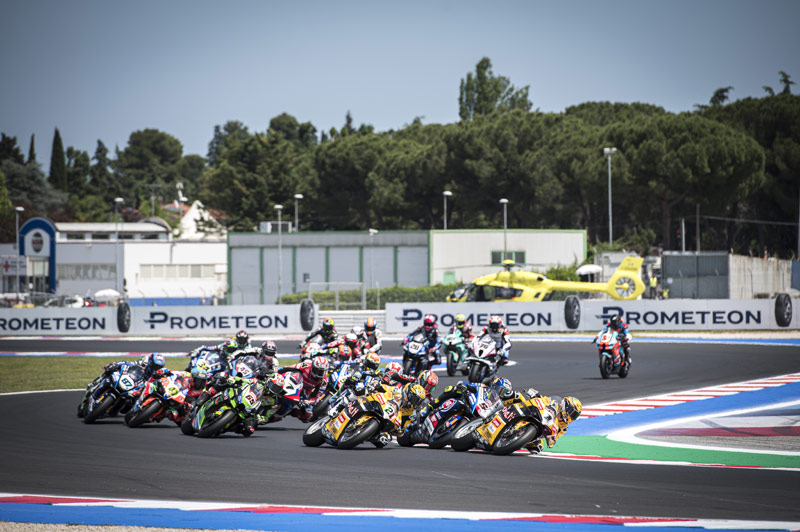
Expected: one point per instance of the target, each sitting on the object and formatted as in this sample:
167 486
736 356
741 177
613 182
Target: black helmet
242 339
614 322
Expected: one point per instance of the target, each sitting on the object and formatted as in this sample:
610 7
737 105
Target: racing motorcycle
437 426
612 357
502 429
228 410
418 355
457 352
207 361
161 398
112 393
482 364
361 419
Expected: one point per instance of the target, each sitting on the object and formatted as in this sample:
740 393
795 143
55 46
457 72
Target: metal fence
701 275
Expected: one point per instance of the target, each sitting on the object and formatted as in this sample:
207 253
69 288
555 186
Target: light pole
297 198
372 233
609 152
279 208
446 194
117 203
16 285
504 202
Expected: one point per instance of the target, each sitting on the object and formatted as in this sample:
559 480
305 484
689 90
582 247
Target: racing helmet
242 339
275 384
200 378
357 330
351 340
429 323
414 393
428 380
571 408
614 322
327 325
393 367
495 324
370 325
461 320
372 361
269 349
503 387
344 353
155 361
319 367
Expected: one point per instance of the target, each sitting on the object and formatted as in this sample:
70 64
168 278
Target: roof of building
124 227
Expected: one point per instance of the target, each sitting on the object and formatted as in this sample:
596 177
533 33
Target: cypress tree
58 163
32 150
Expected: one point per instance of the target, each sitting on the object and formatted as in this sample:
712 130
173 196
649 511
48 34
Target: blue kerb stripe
289 522
602 425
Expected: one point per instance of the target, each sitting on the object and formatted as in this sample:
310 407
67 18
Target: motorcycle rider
617 324
428 380
269 354
151 364
501 385
326 331
499 333
314 376
431 331
372 336
393 375
565 411
350 340
461 325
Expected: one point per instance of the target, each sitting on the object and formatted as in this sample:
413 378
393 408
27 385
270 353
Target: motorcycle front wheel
99 410
476 373
313 437
355 434
451 364
605 367
146 414
186 426
462 438
217 425
444 436
513 438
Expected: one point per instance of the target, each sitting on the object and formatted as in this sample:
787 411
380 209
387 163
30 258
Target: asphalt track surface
46 449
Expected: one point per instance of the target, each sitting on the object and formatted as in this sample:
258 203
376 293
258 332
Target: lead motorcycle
112 393
613 359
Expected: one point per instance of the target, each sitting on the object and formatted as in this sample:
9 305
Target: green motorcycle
231 410
457 352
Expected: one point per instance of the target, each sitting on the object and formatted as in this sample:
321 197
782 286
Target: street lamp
504 202
372 233
446 195
297 197
117 203
609 152
16 285
279 208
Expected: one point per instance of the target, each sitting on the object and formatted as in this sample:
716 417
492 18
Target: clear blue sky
99 69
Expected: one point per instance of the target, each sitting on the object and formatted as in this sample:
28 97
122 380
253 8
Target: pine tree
58 163
32 150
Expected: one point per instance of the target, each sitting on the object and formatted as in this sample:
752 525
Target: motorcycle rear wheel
320 407
218 425
354 435
313 437
404 440
625 369
443 441
100 409
144 415
513 438
186 425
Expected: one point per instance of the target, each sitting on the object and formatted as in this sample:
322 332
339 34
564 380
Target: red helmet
429 323
428 380
495 323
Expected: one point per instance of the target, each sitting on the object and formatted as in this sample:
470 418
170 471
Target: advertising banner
158 321
591 315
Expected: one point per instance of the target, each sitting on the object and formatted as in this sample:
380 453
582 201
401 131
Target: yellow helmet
414 394
571 408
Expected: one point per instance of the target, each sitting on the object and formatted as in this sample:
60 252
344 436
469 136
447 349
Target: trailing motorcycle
612 357
160 398
502 429
457 351
110 394
482 363
418 355
436 427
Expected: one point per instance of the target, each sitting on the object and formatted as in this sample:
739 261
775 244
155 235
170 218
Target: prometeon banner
158 321
591 315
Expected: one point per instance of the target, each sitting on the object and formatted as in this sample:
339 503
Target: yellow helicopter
509 285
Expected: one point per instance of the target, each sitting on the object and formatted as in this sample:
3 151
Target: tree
225 138
9 149
484 93
78 164
769 90
150 158
100 180
787 82
58 163
27 186
31 151
720 96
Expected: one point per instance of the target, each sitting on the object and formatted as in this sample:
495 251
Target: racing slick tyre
445 436
605 367
462 438
320 407
451 365
313 437
356 434
99 410
783 310
186 426
124 317
145 415
572 312
404 440
626 367
407 365
513 438
218 425
476 373
307 316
